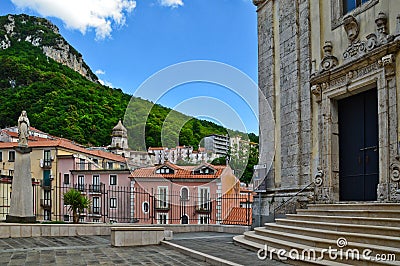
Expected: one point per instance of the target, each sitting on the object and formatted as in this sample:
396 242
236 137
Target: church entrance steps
393 222
291 244
344 227
375 229
366 238
355 213
355 206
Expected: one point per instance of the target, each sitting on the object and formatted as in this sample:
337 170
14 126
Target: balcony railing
162 205
45 183
45 203
203 207
95 210
80 187
96 188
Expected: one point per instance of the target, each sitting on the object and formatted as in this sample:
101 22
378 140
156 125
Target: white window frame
188 196
187 217
204 201
96 204
81 182
69 179
202 217
162 220
148 207
162 198
116 180
9 156
113 203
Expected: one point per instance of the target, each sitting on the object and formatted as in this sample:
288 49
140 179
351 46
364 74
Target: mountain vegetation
73 105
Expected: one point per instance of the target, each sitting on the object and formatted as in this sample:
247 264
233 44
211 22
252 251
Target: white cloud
106 83
100 72
101 15
171 3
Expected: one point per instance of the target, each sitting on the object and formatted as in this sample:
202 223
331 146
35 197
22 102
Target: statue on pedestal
23 129
21 207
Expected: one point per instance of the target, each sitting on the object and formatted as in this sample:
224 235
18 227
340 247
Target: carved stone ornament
386 60
318 179
382 34
329 61
351 27
316 91
323 194
395 171
258 2
398 27
388 63
382 192
373 40
394 192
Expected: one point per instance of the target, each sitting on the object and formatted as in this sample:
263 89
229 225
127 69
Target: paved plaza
96 250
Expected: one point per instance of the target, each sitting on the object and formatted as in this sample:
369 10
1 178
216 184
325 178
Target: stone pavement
90 250
96 250
221 245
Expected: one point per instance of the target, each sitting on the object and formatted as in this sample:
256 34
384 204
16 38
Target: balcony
45 184
84 166
96 210
45 164
205 207
162 206
45 203
95 188
80 187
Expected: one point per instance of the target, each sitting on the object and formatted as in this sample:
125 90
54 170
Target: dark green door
358 147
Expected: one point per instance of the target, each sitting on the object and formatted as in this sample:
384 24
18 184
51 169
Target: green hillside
63 103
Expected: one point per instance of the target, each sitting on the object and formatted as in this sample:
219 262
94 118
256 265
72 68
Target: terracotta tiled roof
62 143
179 172
156 149
239 215
15 135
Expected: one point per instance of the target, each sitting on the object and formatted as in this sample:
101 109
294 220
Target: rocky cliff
45 35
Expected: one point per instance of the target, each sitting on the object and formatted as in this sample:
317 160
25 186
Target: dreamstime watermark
332 253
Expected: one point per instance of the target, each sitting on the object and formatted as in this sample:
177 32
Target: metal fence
135 205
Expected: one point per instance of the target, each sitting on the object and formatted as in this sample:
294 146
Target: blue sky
128 41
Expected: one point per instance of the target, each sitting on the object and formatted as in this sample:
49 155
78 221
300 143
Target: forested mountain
41 73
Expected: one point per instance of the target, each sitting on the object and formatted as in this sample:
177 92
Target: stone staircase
372 228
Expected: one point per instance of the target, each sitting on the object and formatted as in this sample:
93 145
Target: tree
78 203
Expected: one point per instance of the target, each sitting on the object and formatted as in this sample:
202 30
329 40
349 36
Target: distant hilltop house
179 155
217 144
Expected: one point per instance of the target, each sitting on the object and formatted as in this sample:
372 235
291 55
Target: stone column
21 206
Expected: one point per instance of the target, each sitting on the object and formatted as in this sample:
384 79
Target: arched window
185 219
184 193
145 207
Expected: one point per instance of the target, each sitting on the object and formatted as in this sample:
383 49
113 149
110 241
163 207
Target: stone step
356 206
290 243
343 227
355 213
382 240
376 221
242 241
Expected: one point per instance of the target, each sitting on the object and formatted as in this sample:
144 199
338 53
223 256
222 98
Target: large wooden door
358 147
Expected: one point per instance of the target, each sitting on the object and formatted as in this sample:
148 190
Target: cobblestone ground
93 250
221 245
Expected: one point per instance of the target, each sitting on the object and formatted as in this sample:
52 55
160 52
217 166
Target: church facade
330 72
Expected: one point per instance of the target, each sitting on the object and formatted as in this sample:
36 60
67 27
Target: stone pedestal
21 206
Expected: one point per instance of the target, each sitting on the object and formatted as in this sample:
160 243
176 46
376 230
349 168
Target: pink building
171 194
